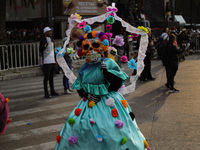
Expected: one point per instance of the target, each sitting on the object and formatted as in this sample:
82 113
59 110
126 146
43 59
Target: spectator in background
145 22
126 44
68 60
47 52
183 42
172 52
164 37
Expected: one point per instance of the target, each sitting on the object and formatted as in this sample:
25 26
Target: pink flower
124 59
92 121
103 37
111 8
133 35
109 35
119 41
81 25
111 14
108 27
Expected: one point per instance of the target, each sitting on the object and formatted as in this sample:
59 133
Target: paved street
168 121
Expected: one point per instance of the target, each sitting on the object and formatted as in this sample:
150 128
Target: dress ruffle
101 89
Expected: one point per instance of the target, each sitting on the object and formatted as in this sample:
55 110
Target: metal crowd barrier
197 43
24 55
19 56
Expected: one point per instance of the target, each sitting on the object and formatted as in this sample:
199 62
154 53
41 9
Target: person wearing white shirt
47 51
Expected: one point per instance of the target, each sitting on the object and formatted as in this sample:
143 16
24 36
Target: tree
2 21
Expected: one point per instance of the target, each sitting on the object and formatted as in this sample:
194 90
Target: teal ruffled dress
107 125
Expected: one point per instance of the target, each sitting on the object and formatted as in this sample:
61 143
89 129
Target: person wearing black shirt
172 52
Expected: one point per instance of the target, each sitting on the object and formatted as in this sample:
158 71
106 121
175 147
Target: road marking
36 120
43 146
33 132
41 109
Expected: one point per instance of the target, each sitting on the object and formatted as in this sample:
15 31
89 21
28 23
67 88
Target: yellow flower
78 16
143 28
91 104
146 145
85 36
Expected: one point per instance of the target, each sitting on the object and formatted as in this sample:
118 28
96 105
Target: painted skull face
93 46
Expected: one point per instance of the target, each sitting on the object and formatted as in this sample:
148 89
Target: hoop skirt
106 125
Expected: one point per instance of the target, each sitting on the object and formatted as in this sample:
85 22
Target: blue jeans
66 81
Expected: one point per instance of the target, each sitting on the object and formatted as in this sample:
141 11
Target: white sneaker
173 91
67 92
71 90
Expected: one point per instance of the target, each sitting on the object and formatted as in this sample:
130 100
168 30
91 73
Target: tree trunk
3 22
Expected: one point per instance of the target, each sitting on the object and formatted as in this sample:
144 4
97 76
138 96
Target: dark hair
172 37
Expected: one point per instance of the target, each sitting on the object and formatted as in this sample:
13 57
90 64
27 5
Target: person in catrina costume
102 120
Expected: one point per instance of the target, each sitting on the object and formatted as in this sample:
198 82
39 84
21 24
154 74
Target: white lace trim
141 52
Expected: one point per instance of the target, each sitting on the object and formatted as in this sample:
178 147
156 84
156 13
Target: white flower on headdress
74 16
112 50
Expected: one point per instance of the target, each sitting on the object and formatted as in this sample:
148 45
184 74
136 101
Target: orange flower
6 100
77 111
94 34
124 102
58 138
114 112
146 145
91 104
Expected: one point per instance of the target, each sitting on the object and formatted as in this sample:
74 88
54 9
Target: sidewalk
30 72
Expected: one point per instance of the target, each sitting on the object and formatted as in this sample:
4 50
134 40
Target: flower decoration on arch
132 35
73 17
132 64
111 8
58 49
144 29
124 58
82 25
109 35
108 27
87 28
119 41
110 19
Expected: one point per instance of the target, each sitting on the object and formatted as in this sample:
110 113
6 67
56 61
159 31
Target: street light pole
173 9
49 12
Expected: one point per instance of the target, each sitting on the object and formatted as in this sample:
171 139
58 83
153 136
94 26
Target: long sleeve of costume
115 82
